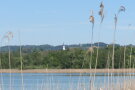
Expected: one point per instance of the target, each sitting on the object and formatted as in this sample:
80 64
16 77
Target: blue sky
57 21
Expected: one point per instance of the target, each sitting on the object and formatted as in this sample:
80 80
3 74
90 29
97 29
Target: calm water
57 81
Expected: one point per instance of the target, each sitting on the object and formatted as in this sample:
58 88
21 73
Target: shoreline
68 71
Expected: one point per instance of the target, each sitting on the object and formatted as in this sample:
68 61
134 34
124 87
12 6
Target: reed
21 62
92 20
8 37
2 88
122 9
101 13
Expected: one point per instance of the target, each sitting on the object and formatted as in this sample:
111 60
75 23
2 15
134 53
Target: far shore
69 71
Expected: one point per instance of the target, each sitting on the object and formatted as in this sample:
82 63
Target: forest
71 58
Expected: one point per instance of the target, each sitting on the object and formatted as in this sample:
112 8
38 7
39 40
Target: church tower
64 48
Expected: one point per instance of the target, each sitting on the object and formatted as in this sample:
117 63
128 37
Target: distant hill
30 48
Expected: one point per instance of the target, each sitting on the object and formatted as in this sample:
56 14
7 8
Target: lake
59 81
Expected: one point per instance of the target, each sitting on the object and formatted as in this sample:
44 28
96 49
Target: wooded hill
75 56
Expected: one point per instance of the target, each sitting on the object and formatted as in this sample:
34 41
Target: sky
56 21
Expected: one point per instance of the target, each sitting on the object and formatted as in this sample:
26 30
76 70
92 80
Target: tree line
72 58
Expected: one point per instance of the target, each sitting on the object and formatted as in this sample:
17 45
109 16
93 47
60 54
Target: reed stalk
101 13
9 36
122 9
92 20
21 61
2 84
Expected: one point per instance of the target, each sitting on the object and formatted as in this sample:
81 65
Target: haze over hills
30 48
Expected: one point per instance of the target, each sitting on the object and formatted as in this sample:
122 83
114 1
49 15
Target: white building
64 48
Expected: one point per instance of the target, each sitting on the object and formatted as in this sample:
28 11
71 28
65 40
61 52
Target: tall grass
122 8
2 88
101 13
8 37
21 61
92 20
